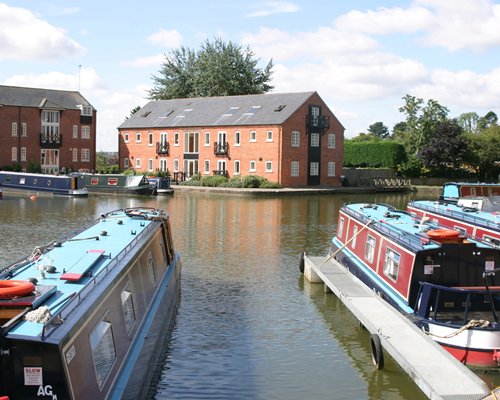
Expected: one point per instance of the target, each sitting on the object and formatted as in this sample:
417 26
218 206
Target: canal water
248 325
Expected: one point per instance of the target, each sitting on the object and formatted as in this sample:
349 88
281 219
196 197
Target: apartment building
292 138
55 129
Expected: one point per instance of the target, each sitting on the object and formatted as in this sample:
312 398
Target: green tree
217 69
485 152
468 122
379 129
489 120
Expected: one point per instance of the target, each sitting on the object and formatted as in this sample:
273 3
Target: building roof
258 109
41 98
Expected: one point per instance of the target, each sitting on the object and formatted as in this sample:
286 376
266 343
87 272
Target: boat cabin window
494 241
370 248
340 228
102 344
354 236
128 309
462 231
391 264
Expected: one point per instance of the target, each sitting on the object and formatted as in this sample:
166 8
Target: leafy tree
364 137
489 120
485 152
379 129
217 69
468 122
446 149
420 122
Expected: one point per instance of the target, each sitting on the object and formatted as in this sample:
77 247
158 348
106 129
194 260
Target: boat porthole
376 349
48 182
34 181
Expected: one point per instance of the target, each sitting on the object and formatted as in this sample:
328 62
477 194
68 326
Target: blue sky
361 57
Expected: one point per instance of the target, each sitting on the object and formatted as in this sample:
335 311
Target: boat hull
60 185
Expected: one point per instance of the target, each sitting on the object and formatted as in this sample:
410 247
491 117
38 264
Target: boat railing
411 241
463 215
74 300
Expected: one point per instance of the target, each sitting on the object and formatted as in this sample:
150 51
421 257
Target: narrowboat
119 184
477 217
84 317
453 191
163 186
64 185
444 282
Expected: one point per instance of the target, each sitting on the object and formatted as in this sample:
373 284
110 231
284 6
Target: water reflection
248 326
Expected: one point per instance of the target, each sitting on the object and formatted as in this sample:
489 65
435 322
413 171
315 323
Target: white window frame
150 139
14 129
150 165
340 228
294 168
206 167
85 155
126 137
24 129
23 154
252 166
331 168
253 136
75 154
75 131
392 261
331 141
269 166
13 154
269 136
126 163
137 163
237 167
314 139
295 141
176 138
85 132
207 139
371 242
237 138
176 165
314 169
138 138
354 236
86 110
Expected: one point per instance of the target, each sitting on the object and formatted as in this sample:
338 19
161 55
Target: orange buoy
33 197
12 288
444 235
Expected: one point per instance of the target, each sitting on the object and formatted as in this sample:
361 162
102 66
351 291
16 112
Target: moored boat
64 185
444 282
163 186
453 191
119 184
82 318
477 217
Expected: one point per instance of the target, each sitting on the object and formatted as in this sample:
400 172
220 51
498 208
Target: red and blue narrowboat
445 282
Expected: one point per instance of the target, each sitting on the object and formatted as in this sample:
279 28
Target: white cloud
154 60
385 20
24 36
170 39
270 7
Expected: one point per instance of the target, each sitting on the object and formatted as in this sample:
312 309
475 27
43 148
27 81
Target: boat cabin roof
399 225
67 270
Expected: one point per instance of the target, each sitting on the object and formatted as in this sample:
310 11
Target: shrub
251 181
213 181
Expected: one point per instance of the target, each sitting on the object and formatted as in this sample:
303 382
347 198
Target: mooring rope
473 323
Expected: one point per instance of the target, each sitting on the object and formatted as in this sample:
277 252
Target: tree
488 121
379 129
446 149
133 111
469 122
217 69
420 122
485 152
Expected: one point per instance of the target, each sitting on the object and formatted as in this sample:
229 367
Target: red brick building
293 139
52 128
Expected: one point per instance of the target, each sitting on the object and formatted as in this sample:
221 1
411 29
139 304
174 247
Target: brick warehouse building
53 128
293 139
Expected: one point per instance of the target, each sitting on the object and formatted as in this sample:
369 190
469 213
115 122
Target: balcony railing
317 123
221 149
163 148
50 140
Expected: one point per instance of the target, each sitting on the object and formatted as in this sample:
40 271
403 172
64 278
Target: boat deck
487 219
438 374
69 270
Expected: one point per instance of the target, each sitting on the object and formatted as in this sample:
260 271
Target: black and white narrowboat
163 186
477 217
446 283
119 184
64 185
84 317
